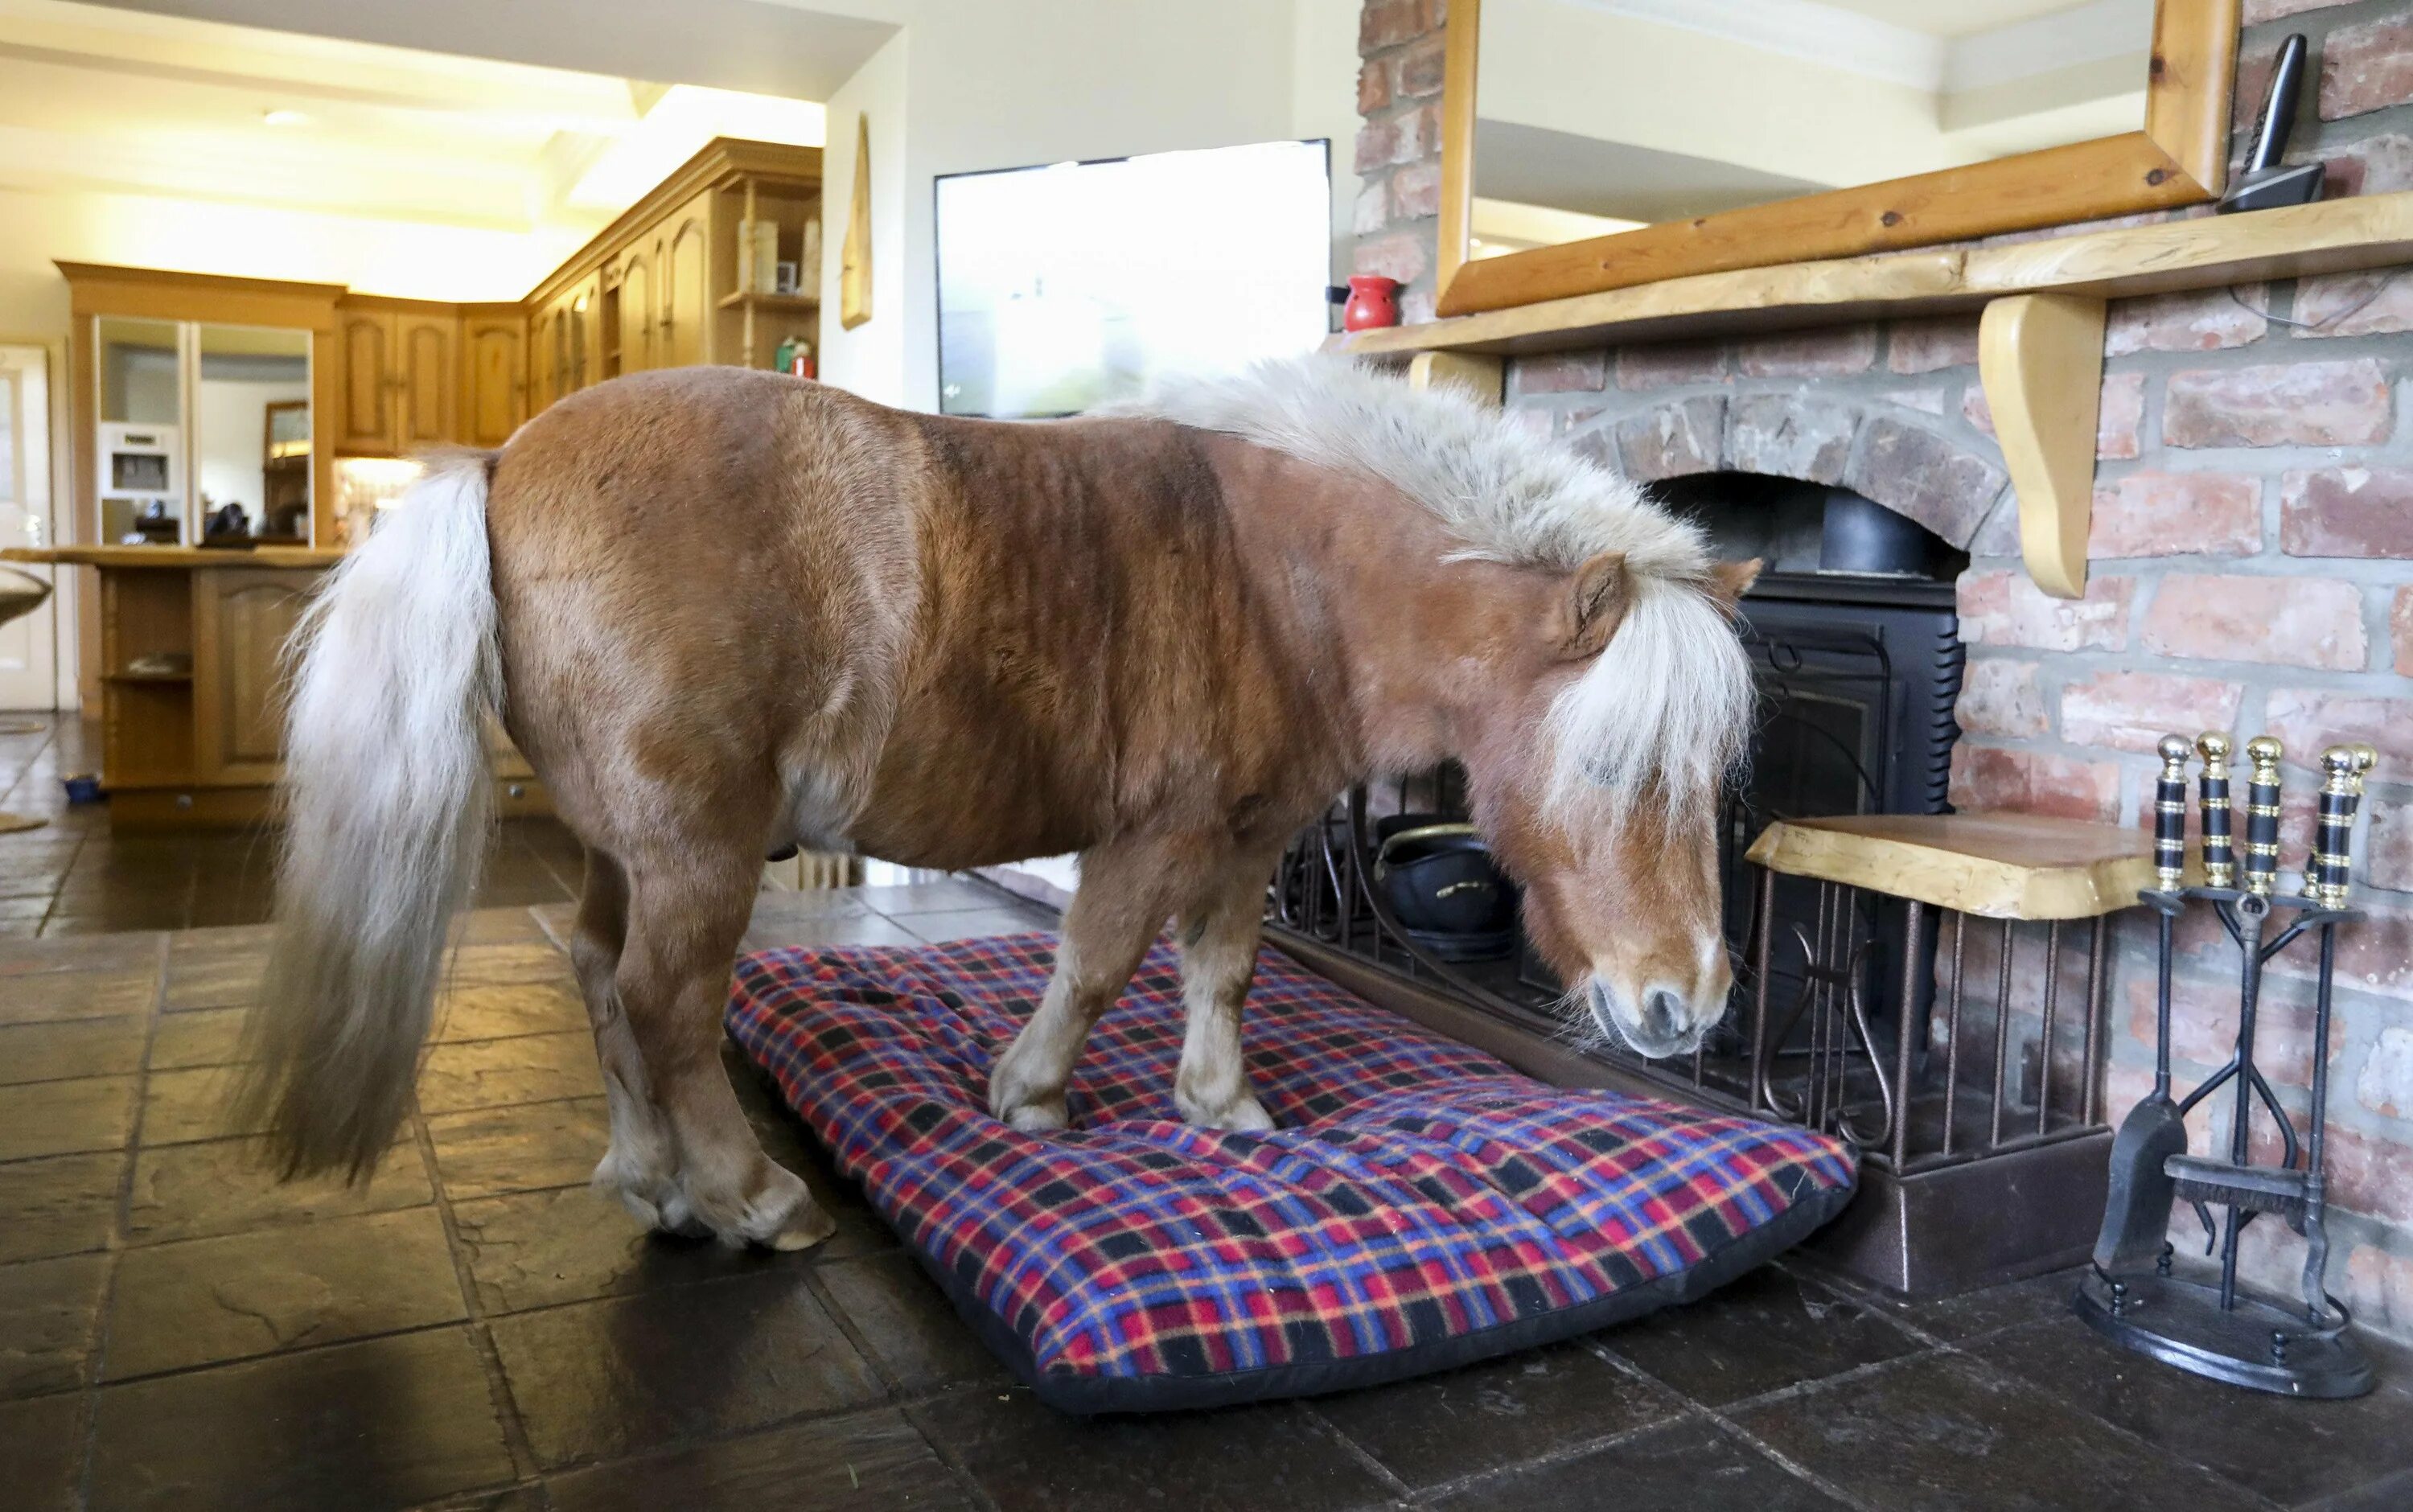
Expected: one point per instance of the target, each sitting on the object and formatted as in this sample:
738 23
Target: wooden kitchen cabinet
242 617
636 310
494 374
365 411
568 330
399 383
427 391
661 281
191 718
180 647
686 243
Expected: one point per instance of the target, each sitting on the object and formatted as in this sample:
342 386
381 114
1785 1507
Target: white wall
869 360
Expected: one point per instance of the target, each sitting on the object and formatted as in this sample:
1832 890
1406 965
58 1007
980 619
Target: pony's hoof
1038 1118
783 1215
1242 1114
805 1227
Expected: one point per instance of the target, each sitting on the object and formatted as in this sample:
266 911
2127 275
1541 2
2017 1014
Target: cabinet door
539 359
364 419
557 346
586 307
496 399
687 302
427 400
243 618
636 314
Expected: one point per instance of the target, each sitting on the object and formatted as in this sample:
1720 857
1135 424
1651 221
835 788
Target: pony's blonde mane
1665 707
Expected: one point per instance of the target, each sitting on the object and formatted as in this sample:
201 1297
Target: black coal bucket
1443 888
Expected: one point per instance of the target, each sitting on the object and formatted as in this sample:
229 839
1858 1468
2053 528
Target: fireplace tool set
2130 1293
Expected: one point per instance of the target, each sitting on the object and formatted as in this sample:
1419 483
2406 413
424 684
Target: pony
722 611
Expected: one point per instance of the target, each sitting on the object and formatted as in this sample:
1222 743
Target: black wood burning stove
1857 677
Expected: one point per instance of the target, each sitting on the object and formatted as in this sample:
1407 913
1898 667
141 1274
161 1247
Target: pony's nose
1663 1014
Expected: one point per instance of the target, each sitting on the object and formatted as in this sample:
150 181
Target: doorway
29 644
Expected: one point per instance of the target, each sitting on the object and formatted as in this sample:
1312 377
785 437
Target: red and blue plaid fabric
1419 1203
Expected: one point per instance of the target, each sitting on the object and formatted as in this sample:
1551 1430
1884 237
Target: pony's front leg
1219 960
1122 902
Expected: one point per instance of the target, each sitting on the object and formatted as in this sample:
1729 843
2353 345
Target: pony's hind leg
1122 902
683 1157
1219 960
641 1166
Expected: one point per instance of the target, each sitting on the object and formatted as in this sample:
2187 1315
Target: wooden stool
21 594
1957 1194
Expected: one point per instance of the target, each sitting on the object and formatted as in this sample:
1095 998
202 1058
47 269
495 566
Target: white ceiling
117 99
1534 165
1953 18
765 47
1941 46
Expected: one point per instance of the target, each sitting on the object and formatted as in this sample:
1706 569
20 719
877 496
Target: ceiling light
281 117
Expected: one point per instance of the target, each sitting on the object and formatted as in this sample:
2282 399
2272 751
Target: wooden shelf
1994 866
769 301
146 676
2205 252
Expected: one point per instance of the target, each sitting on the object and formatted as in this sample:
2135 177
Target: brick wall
1398 148
2252 562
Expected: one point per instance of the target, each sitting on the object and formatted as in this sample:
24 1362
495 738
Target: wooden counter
188 557
192 723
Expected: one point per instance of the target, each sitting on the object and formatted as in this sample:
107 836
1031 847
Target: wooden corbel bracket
2040 357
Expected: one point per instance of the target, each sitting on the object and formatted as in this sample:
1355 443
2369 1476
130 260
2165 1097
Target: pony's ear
1595 600
1730 580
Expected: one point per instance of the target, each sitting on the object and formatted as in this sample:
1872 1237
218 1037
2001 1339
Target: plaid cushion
1420 1204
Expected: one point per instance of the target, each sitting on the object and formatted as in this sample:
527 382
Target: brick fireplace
2251 556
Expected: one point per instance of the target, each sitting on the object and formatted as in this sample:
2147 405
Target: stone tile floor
74 876
473 1328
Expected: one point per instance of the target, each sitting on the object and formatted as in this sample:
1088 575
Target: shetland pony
722 611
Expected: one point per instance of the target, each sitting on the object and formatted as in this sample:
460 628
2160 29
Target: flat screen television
1068 285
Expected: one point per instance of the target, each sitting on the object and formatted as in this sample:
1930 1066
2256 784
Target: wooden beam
2211 252
2040 357
2058 186
2187 104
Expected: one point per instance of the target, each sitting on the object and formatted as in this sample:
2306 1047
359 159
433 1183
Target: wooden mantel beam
2206 252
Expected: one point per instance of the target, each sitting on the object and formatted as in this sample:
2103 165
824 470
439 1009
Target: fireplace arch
1942 473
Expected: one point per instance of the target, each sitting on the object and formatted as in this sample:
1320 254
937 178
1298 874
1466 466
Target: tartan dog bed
1419 1206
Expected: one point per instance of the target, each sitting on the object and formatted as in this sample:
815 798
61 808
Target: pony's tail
395 674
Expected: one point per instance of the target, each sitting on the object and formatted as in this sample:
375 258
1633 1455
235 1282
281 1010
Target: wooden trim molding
2177 159
2040 357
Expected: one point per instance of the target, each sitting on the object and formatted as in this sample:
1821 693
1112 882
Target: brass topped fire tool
2130 1293
2137 1214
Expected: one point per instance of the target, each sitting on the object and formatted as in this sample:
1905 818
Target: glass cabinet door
204 430
251 433
141 451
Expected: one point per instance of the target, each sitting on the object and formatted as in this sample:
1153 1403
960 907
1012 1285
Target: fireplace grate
1836 1019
